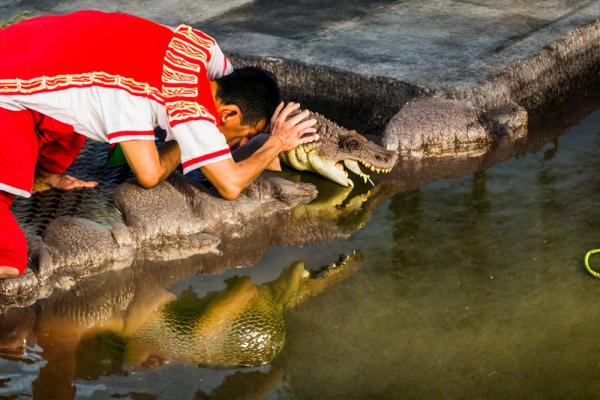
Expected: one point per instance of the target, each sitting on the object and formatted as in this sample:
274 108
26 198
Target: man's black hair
253 90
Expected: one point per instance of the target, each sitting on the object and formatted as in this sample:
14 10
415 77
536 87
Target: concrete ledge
361 102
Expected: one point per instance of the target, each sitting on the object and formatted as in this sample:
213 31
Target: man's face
236 133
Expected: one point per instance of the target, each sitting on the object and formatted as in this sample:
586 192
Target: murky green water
471 288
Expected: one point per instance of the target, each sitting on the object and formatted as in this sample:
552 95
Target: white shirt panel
201 143
93 111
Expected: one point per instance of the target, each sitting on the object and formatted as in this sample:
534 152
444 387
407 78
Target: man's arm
231 178
247 148
149 164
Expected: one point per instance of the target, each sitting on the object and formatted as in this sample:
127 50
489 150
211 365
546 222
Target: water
471 288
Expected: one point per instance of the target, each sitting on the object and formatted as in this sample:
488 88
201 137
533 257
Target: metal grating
34 214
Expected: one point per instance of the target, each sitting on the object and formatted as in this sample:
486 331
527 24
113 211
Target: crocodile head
295 284
338 151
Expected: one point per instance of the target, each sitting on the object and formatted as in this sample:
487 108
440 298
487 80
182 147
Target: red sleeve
57 155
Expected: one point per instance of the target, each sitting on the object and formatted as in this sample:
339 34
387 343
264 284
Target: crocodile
338 151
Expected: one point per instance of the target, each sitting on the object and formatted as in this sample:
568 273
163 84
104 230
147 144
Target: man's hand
47 180
292 131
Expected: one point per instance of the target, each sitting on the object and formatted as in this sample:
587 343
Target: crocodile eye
349 144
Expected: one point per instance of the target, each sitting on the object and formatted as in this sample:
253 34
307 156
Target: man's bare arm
231 178
149 164
250 147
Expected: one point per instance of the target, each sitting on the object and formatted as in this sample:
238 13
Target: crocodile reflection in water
242 325
337 211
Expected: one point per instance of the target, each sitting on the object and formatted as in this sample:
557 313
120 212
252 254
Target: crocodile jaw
307 158
353 166
329 170
304 158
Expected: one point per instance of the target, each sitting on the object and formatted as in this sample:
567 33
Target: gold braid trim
185 58
50 83
181 62
184 110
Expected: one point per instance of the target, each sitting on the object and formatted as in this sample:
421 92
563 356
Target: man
114 77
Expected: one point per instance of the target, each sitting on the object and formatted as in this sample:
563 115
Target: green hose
586 261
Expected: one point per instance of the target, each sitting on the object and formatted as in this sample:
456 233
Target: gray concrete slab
166 12
435 43
432 43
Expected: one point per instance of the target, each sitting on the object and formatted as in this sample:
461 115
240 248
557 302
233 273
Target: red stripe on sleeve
113 135
206 157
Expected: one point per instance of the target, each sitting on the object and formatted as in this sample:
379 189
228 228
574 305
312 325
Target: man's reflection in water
16 332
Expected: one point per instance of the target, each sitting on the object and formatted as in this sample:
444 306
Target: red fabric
206 157
19 149
178 60
91 49
59 144
114 135
115 44
28 138
13 245
85 41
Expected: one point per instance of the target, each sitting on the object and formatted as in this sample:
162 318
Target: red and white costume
106 76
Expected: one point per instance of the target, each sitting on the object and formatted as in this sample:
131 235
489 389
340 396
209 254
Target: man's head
245 100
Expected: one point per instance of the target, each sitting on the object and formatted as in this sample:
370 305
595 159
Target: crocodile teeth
355 168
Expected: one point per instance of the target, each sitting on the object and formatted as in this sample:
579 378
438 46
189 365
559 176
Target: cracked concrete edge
567 65
503 105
